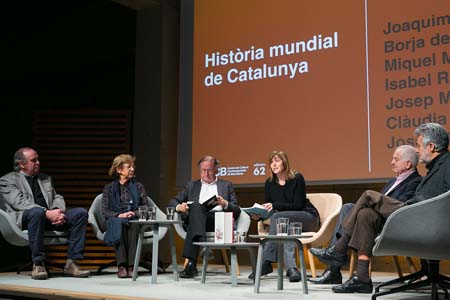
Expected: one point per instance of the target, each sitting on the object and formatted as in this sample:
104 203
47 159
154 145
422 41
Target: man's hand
56 216
182 208
222 202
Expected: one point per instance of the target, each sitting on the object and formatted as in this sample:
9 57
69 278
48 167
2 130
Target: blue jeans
35 222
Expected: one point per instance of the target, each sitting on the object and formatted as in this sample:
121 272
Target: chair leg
186 261
311 262
225 260
351 266
397 266
411 265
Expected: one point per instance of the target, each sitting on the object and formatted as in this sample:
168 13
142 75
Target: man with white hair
373 208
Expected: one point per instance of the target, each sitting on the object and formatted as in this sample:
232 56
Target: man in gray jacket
31 201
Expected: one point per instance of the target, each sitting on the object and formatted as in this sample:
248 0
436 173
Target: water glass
151 213
295 228
170 213
143 212
239 236
282 226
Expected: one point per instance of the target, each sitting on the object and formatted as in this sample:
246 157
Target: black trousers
197 222
126 248
35 222
365 221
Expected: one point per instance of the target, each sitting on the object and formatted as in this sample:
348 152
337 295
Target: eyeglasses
127 166
211 171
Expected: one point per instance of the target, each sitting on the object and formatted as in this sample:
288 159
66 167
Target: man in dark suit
402 187
372 208
32 202
197 220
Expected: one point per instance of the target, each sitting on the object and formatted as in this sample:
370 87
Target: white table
280 240
143 225
233 257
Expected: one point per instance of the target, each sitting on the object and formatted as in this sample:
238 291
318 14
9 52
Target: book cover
210 203
223 227
258 209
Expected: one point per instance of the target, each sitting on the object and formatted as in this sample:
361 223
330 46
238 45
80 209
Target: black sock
362 270
334 269
342 244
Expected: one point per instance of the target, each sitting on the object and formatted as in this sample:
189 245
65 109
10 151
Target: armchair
95 219
420 230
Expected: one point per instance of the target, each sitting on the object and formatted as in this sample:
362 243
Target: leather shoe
329 256
354 285
39 272
190 271
130 270
294 275
72 269
328 277
265 269
122 272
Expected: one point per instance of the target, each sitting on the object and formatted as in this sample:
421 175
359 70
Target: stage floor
217 286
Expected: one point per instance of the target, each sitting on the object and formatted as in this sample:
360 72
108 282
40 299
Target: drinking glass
143 212
295 228
282 226
170 213
152 213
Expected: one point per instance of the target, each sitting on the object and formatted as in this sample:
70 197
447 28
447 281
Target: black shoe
328 277
294 275
354 285
329 256
266 269
190 271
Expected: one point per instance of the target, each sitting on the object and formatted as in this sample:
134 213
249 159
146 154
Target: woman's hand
255 217
268 206
126 215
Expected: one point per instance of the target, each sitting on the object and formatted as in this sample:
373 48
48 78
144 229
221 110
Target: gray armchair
17 237
97 222
420 230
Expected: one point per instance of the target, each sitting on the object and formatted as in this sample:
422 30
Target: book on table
258 209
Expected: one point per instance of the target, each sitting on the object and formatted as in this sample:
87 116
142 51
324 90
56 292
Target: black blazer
406 189
225 189
436 182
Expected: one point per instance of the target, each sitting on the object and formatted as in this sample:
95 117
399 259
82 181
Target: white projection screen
336 84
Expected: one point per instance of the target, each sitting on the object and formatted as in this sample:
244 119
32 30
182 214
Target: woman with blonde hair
284 193
121 199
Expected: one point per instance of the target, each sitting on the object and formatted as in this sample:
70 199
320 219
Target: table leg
155 252
251 253
173 252
205 264
280 265
303 267
258 266
233 258
138 252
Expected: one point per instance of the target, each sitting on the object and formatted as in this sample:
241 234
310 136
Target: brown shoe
72 269
39 272
122 272
130 270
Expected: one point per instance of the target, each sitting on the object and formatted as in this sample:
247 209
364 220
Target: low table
280 240
156 225
233 257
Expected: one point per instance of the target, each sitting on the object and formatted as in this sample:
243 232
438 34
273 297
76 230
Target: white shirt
207 191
